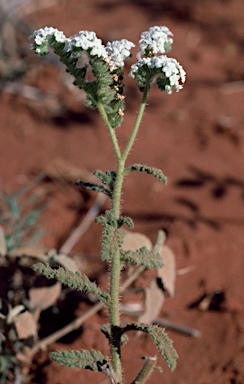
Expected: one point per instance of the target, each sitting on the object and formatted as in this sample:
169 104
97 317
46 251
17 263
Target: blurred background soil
195 136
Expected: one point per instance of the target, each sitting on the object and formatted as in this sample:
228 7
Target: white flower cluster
169 67
114 53
152 45
41 38
118 51
87 40
155 40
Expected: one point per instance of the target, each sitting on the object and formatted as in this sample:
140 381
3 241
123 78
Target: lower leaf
160 339
92 359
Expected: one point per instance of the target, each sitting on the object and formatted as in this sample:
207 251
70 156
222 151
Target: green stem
115 279
111 130
116 201
137 123
146 370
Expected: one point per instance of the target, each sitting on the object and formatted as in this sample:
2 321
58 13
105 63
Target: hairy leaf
73 280
93 187
125 220
107 178
109 89
142 256
161 82
113 237
92 359
150 170
160 339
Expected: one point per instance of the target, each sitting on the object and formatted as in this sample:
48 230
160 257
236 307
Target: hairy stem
116 209
111 131
115 278
137 123
146 370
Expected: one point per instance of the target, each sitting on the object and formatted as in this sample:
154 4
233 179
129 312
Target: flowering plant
105 93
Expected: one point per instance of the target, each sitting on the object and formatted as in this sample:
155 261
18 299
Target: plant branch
116 263
111 130
137 122
147 369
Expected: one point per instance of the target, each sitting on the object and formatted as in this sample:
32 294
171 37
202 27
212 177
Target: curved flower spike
168 72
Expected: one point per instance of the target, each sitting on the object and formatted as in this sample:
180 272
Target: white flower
157 61
134 68
156 40
83 39
59 36
168 89
174 79
42 35
98 49
118 51
170 67
87 40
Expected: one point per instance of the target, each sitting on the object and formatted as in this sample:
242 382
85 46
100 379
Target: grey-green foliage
158 173
107 87
107 178
113 236
160 339
93 187
73 280
125 220
142 256
162 81
92 359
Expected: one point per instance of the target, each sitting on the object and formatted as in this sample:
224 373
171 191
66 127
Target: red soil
196 136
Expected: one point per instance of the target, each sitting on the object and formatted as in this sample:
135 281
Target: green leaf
160 339
92 359
161 82
108 178
113 237
73 280
81 73
125 220
93 187
142 256
109 90
150 170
